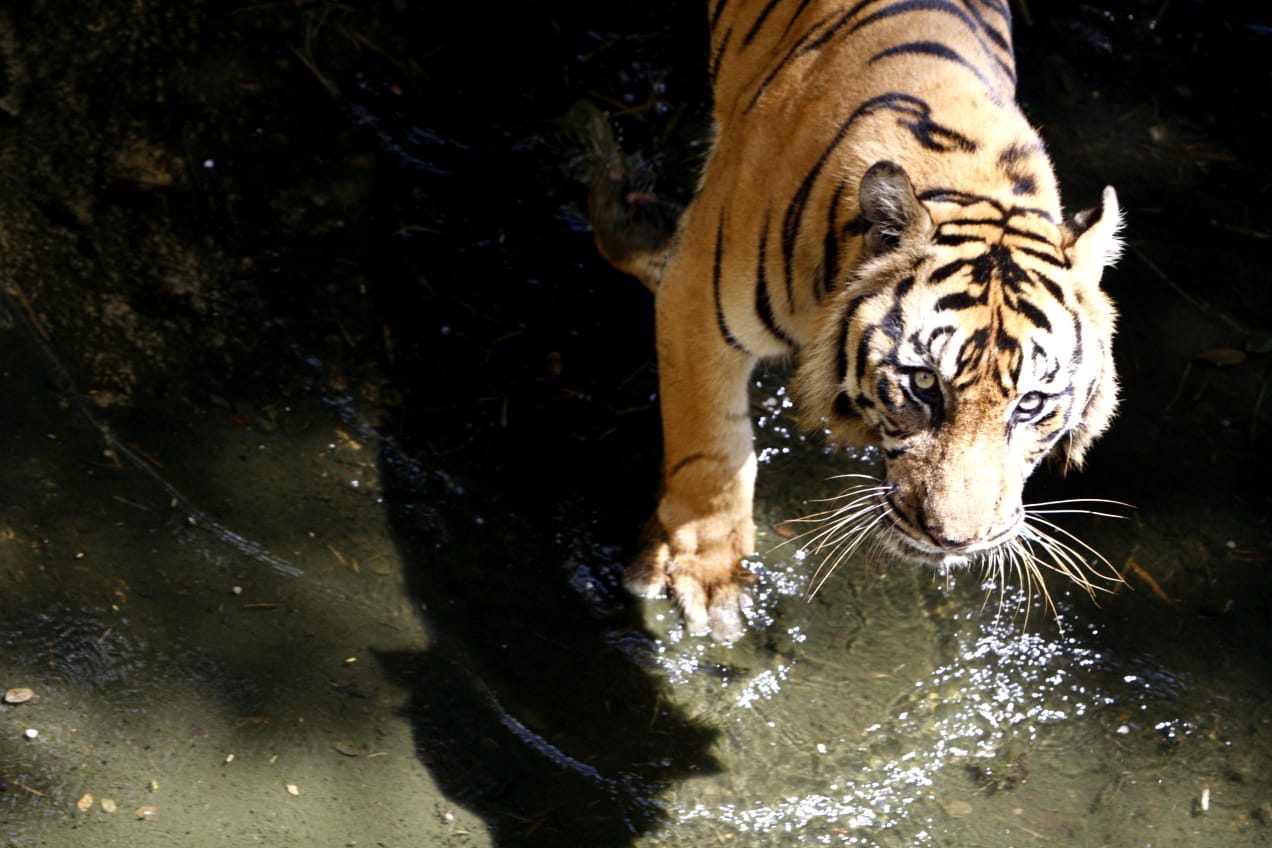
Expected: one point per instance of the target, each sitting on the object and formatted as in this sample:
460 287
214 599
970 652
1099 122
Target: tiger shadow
528 707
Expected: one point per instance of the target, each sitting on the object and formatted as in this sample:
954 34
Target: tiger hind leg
634 228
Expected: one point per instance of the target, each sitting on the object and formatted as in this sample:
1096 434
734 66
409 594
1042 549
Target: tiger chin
876 206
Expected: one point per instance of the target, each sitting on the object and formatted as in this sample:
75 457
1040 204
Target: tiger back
876 205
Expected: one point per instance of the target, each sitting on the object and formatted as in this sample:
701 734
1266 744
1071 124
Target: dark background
213 205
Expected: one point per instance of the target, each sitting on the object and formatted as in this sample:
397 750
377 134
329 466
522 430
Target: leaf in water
1223 356
349 749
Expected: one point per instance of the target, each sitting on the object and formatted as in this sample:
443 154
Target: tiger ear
889 203
1091 240
1091 243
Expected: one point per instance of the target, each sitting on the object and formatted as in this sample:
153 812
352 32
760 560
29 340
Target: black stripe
891 324
947 270
1000 38
884 396
1035 315
970 354
833 29
830 245
863 353
1049 258
925 130
1025 234
799 10
1078 352
1040 353
716 13
841 352
937 50
955 239
716 273
975 27
759 22
800 48
1049 418
1053 288
718 59
687 461
763 302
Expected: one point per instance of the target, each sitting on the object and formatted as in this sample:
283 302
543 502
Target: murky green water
325 546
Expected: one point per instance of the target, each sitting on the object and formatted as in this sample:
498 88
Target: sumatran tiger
876 205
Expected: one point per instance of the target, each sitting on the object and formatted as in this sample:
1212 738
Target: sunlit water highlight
959 733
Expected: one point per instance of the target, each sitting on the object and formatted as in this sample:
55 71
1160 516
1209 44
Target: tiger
876 208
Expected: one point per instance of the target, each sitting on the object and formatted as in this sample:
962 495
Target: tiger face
973 342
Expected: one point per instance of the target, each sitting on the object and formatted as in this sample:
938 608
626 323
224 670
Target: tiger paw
708 584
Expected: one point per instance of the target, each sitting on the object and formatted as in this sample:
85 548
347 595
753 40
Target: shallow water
352 576
906 709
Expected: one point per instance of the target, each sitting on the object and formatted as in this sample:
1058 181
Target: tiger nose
953 540
949 544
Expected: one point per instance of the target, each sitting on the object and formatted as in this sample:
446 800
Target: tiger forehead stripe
965 198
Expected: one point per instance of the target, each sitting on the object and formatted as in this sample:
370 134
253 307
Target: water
324 545
907 709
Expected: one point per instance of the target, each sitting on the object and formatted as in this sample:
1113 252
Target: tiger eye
925 385
1029 403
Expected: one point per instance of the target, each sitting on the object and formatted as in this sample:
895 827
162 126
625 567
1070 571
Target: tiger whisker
1113 575
1028 568
850 542
818 538
1061 559
846 523
842 530
836 517
1078 506
1078 512
851 518
1075 501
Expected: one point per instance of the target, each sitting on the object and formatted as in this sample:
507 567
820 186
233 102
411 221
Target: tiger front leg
694 544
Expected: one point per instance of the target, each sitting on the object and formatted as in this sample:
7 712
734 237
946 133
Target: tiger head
971 341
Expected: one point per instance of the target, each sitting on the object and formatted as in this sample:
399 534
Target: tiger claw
713 601
718 611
